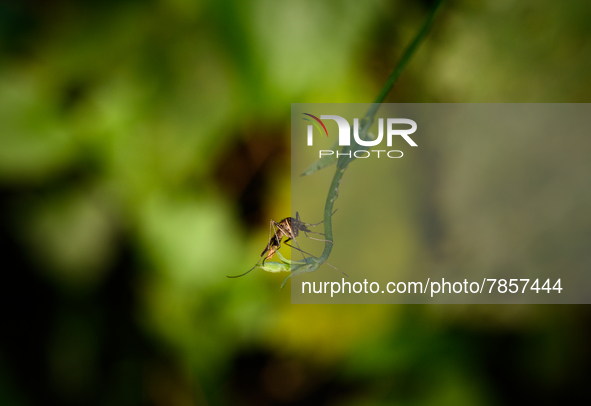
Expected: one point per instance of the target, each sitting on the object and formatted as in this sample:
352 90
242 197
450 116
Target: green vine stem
364 125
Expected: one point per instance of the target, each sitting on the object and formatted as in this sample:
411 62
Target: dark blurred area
144 147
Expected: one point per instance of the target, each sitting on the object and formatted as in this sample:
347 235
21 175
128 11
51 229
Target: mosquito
288 227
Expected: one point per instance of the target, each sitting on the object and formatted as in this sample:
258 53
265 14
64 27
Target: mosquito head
297 225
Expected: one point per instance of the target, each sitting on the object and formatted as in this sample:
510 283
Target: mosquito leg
268 247
337 269
274 242
313 232
317 239
286 243
278 234
271 248
315 224
296 248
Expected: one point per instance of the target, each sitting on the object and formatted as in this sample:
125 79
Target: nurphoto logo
345 135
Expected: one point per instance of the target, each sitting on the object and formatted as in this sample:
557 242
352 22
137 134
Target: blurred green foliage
143 150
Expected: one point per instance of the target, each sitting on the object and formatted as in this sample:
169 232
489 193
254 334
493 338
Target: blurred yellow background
144 147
